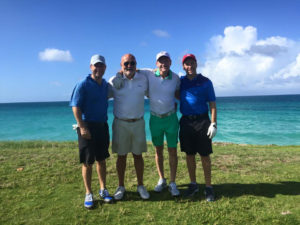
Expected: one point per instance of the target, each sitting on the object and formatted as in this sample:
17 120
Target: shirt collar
169 77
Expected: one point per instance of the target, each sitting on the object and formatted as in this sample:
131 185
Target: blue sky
244 47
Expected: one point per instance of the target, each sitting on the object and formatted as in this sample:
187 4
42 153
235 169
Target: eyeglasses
132 63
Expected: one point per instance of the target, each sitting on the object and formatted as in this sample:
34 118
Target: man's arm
212 130
85 133
213 112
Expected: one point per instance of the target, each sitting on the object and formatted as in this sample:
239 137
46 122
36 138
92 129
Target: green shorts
160 126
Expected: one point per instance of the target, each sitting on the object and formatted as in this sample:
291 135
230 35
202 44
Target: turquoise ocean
247 120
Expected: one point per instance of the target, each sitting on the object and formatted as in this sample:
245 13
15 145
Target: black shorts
193 135
95 148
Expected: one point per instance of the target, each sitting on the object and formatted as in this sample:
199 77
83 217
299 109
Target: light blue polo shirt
195 94
92 100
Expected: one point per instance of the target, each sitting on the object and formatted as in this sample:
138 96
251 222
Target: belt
129 120
163 115
196 117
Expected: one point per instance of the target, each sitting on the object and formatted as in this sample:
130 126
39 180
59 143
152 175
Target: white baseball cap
96 59
161 54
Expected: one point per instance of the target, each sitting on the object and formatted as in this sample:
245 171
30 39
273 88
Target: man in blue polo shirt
196 128
89 103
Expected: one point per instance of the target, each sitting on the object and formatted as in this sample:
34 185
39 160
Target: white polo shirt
162 91
129 100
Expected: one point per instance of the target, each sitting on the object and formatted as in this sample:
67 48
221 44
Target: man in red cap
197 97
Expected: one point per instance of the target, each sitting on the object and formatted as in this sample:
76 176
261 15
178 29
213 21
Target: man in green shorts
163 84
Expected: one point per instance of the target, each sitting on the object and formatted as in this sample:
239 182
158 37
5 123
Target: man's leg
191 165
173 162
159 160
139 167
101 171
121 166
87 177
206 164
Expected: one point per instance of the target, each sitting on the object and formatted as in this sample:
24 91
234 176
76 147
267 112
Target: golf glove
117 81
75 126
212 130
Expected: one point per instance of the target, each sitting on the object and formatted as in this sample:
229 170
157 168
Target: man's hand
85 133
117 81
212 130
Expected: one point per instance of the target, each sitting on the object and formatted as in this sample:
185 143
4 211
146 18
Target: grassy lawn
41 184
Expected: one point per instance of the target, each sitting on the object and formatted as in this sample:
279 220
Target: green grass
253 184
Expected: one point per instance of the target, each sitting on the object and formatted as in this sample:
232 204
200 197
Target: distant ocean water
248 120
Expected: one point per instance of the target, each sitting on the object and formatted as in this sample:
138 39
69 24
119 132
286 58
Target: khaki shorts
128 137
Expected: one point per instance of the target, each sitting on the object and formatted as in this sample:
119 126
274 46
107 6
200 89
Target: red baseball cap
188 56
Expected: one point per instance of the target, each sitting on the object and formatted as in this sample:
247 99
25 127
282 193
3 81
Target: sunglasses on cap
132 63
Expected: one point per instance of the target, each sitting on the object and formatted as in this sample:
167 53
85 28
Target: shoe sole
89 207
108 199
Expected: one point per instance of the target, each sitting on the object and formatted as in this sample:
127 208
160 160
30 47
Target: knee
159 150
172 152
101 163
137 157
122 158
205 159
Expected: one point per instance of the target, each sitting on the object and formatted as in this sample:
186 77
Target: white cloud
240 64
161 33
52 54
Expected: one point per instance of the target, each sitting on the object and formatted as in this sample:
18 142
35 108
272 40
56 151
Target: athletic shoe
209 194
173 189
143 192
161 184
119 194
192 189
88 201
105 195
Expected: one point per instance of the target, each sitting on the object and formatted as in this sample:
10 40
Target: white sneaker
143 192
161 184
173 189
119 194
88 201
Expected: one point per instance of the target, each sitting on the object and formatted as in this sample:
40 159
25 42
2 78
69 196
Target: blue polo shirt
195 94
92 100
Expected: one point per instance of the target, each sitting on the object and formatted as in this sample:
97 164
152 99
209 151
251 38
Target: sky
244 47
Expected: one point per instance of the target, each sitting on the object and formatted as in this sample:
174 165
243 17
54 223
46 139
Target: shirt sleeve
77 96
109 90
211 92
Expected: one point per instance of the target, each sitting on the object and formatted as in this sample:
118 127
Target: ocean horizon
261 120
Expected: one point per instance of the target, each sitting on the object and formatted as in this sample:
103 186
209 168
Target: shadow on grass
230 190
258 189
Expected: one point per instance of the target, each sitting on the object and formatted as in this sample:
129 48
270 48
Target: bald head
128 65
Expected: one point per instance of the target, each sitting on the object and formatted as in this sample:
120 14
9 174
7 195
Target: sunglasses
132 63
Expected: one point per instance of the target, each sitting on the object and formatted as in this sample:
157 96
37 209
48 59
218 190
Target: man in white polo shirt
163 84
129 125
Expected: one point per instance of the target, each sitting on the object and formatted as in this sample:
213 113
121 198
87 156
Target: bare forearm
78 116
213 111
84 131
